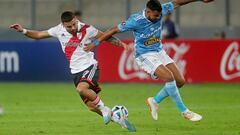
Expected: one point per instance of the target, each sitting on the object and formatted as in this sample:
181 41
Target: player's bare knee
166 77
80 90
180 83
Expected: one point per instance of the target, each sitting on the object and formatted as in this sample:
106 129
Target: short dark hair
67 16
78 13
154 5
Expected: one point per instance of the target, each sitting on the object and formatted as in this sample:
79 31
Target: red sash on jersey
74 40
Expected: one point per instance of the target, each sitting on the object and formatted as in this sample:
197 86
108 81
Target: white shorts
150 61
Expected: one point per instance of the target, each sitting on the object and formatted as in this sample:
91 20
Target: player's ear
148 11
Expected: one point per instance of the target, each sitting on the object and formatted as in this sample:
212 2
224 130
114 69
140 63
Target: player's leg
153 63
83 90
180 82
86 82
178 76
149 62
162 72
170 88
91 106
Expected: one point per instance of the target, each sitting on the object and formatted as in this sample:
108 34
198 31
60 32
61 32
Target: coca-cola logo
178 51
128 68
230 63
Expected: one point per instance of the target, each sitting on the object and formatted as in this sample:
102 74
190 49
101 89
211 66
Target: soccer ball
119 112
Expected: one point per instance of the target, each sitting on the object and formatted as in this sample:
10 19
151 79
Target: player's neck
146 16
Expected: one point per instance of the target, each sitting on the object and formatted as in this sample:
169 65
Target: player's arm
106 36
128 25
30 33
115 41
178 3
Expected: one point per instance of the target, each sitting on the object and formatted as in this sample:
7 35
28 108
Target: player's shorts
90 76
149 62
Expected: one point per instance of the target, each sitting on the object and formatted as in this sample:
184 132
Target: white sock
98 103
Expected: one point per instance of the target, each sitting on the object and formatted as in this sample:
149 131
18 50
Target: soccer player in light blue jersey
149 53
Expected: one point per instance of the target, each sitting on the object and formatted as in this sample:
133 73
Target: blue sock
162 94
172 90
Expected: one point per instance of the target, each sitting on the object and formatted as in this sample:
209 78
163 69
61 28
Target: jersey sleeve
167 8
128 25
92 32
53 31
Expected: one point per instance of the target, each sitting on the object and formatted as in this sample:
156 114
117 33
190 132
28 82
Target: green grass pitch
56 109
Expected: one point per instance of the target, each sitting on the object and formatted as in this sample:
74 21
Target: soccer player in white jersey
73 36
149 53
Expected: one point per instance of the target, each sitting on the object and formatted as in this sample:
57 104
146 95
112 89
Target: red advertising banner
198 60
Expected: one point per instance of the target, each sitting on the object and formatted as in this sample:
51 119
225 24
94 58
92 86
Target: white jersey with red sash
72 45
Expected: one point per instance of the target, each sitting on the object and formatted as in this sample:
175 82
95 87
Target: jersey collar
79 25
143 13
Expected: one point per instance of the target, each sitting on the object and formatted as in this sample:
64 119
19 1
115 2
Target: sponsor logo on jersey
72 44
148 35
123 23
152 40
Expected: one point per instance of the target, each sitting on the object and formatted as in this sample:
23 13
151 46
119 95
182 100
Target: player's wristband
24 31
96 42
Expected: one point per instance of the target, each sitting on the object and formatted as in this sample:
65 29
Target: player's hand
207 1
17 27
89 47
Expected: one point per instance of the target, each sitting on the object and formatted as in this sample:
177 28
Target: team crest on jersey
63 35
123 23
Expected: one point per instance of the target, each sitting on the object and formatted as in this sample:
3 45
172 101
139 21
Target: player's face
71 26
153 15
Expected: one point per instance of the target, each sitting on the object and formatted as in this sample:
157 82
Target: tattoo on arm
115 41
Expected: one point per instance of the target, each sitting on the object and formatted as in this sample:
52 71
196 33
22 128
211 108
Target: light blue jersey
147 34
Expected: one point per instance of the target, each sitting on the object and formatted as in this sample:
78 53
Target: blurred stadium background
222 15
38 96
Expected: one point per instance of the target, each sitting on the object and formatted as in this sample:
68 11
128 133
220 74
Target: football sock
162 94
98 103
172 90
